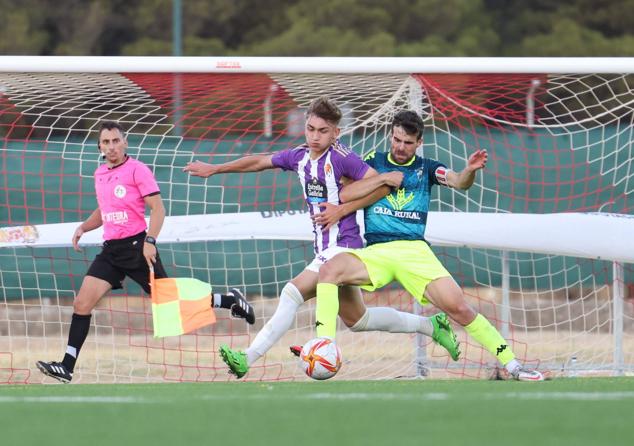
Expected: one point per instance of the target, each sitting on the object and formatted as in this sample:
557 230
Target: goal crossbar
118 64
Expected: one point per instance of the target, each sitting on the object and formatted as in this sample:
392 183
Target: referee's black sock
79 326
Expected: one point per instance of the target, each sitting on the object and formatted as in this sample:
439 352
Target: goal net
558 143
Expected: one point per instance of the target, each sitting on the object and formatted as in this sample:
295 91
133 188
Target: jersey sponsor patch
316 191
117 217
405 215
399 199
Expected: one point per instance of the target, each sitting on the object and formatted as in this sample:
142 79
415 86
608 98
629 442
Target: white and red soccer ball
320 358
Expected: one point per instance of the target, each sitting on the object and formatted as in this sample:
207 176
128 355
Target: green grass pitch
568 412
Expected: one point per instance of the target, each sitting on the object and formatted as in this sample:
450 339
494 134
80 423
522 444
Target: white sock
71 351
393 321
216 300
274 329
512 365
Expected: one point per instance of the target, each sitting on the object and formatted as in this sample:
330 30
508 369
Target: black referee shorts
124 257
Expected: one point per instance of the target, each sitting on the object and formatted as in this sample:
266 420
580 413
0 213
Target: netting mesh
557 143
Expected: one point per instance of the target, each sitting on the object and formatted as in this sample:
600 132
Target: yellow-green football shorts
412 263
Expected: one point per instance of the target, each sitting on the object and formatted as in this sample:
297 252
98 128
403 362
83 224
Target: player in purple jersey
323 165
124 187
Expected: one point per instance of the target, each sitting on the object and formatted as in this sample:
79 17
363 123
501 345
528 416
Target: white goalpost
541 244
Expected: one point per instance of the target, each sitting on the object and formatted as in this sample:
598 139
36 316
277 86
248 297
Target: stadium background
578 411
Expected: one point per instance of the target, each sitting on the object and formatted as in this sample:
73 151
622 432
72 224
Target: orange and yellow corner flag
180 305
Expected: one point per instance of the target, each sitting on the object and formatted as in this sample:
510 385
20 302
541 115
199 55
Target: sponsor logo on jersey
316 191
118 217
399 200
408 215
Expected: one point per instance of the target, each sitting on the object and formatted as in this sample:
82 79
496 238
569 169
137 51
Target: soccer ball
320 358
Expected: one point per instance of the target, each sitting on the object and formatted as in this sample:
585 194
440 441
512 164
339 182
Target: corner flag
180 305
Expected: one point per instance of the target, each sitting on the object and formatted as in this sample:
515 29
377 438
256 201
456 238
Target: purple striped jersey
321 182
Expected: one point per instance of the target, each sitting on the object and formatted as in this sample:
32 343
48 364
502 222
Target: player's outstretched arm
249 163
332 213
465 178
92 222
370 183
357 195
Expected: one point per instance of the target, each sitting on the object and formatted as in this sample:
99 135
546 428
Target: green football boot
236 360
443 335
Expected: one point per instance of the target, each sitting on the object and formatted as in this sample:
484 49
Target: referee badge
120 191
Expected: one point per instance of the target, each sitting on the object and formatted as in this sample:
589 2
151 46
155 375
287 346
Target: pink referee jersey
120 192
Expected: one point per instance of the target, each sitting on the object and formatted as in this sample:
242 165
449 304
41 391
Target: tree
23 31
321 27
568 38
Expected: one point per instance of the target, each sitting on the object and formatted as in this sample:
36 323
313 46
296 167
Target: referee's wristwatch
151 240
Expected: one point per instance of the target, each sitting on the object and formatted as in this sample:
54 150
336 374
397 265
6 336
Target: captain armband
441 175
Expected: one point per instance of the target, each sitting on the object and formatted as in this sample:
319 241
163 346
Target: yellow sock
486 335
327 309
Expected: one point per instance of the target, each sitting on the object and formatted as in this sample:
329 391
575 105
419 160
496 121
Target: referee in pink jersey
124 187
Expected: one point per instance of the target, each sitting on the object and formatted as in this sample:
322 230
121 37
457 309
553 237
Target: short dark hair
410 122
110 125
325 108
